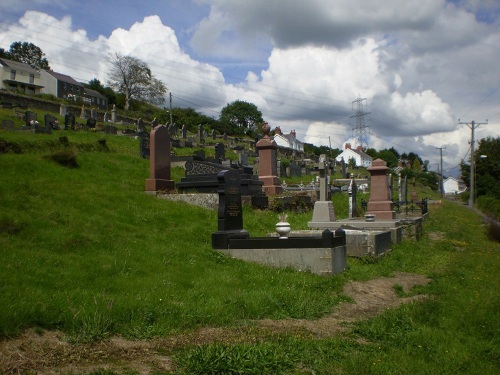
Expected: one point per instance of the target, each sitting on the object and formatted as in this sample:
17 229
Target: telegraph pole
473 126
360 122
441 187
170 110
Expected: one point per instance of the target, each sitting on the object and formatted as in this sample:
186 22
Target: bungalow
360 158
288 141
18 76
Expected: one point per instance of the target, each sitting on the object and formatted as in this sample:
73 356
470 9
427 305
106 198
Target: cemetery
150 250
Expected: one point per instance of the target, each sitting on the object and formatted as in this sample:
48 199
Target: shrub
66 157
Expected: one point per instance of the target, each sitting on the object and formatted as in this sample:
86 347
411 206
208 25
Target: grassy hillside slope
85 251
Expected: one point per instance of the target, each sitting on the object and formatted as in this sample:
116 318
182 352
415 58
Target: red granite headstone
267 148
380 203
159 160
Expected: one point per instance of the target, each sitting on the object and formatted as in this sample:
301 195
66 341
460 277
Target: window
32 78
64 86
12 74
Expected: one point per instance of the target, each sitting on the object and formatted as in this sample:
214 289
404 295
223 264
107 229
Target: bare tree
133 78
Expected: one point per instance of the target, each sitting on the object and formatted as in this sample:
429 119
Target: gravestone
113 114
110 129
214 134
400 188
159 160
93 114
323 208
30 118
144 148
380 203
267 148
343 168
106 116
154 123
8 125
220 152
230 212
91 123
200 132
140 126
243 158
62 110
353 190
204 135
69 121
224 136
83 113
49 123
184 132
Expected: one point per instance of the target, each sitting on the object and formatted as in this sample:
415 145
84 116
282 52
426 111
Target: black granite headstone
69 121
144 145
220 152
230 212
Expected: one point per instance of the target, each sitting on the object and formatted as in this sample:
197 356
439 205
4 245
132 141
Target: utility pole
441 187
170 110
360 128
473 126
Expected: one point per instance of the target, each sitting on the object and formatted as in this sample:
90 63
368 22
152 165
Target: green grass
85 251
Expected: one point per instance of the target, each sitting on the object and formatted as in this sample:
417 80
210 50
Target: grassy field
84 251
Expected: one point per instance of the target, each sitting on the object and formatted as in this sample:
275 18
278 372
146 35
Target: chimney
347 146
277 130
293 133
360 148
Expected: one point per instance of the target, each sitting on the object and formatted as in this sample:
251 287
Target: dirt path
50 353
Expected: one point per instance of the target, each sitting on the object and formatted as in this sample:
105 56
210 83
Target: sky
421 67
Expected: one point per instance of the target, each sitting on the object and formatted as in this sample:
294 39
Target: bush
66 157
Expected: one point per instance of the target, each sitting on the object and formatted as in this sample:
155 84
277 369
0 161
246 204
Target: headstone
110 129
49 123
230 212
30 118
184 132
204 135
224 136
69 121
400 188
62 110
144 148
353 190
267 148
106 116
220 152
243 158
159 161
7 125
93 114
380 203
154 123
82 113
214 134
140 126
113 114
343 168
200 132
91 123
323 208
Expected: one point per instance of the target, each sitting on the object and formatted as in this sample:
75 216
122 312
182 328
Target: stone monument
159 160
380 203
323 209
267 149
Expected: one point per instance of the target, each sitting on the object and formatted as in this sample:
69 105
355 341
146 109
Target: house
18 76
95 99
360 158
61 85
453 186
288 141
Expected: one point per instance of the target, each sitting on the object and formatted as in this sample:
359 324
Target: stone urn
283 226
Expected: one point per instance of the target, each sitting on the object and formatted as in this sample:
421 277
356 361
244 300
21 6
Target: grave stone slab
140 126
144 148
93 114
30 118
220 152
91 123
106 116
69 121
184 132
352 191
214 134
113 114
62 110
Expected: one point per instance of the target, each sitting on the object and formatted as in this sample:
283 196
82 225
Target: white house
361 159
288 141
18 76
453 186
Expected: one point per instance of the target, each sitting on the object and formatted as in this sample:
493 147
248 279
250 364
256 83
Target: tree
30 54
241 116
133 78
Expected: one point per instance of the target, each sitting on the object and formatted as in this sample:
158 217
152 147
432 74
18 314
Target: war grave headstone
230 212
159 161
